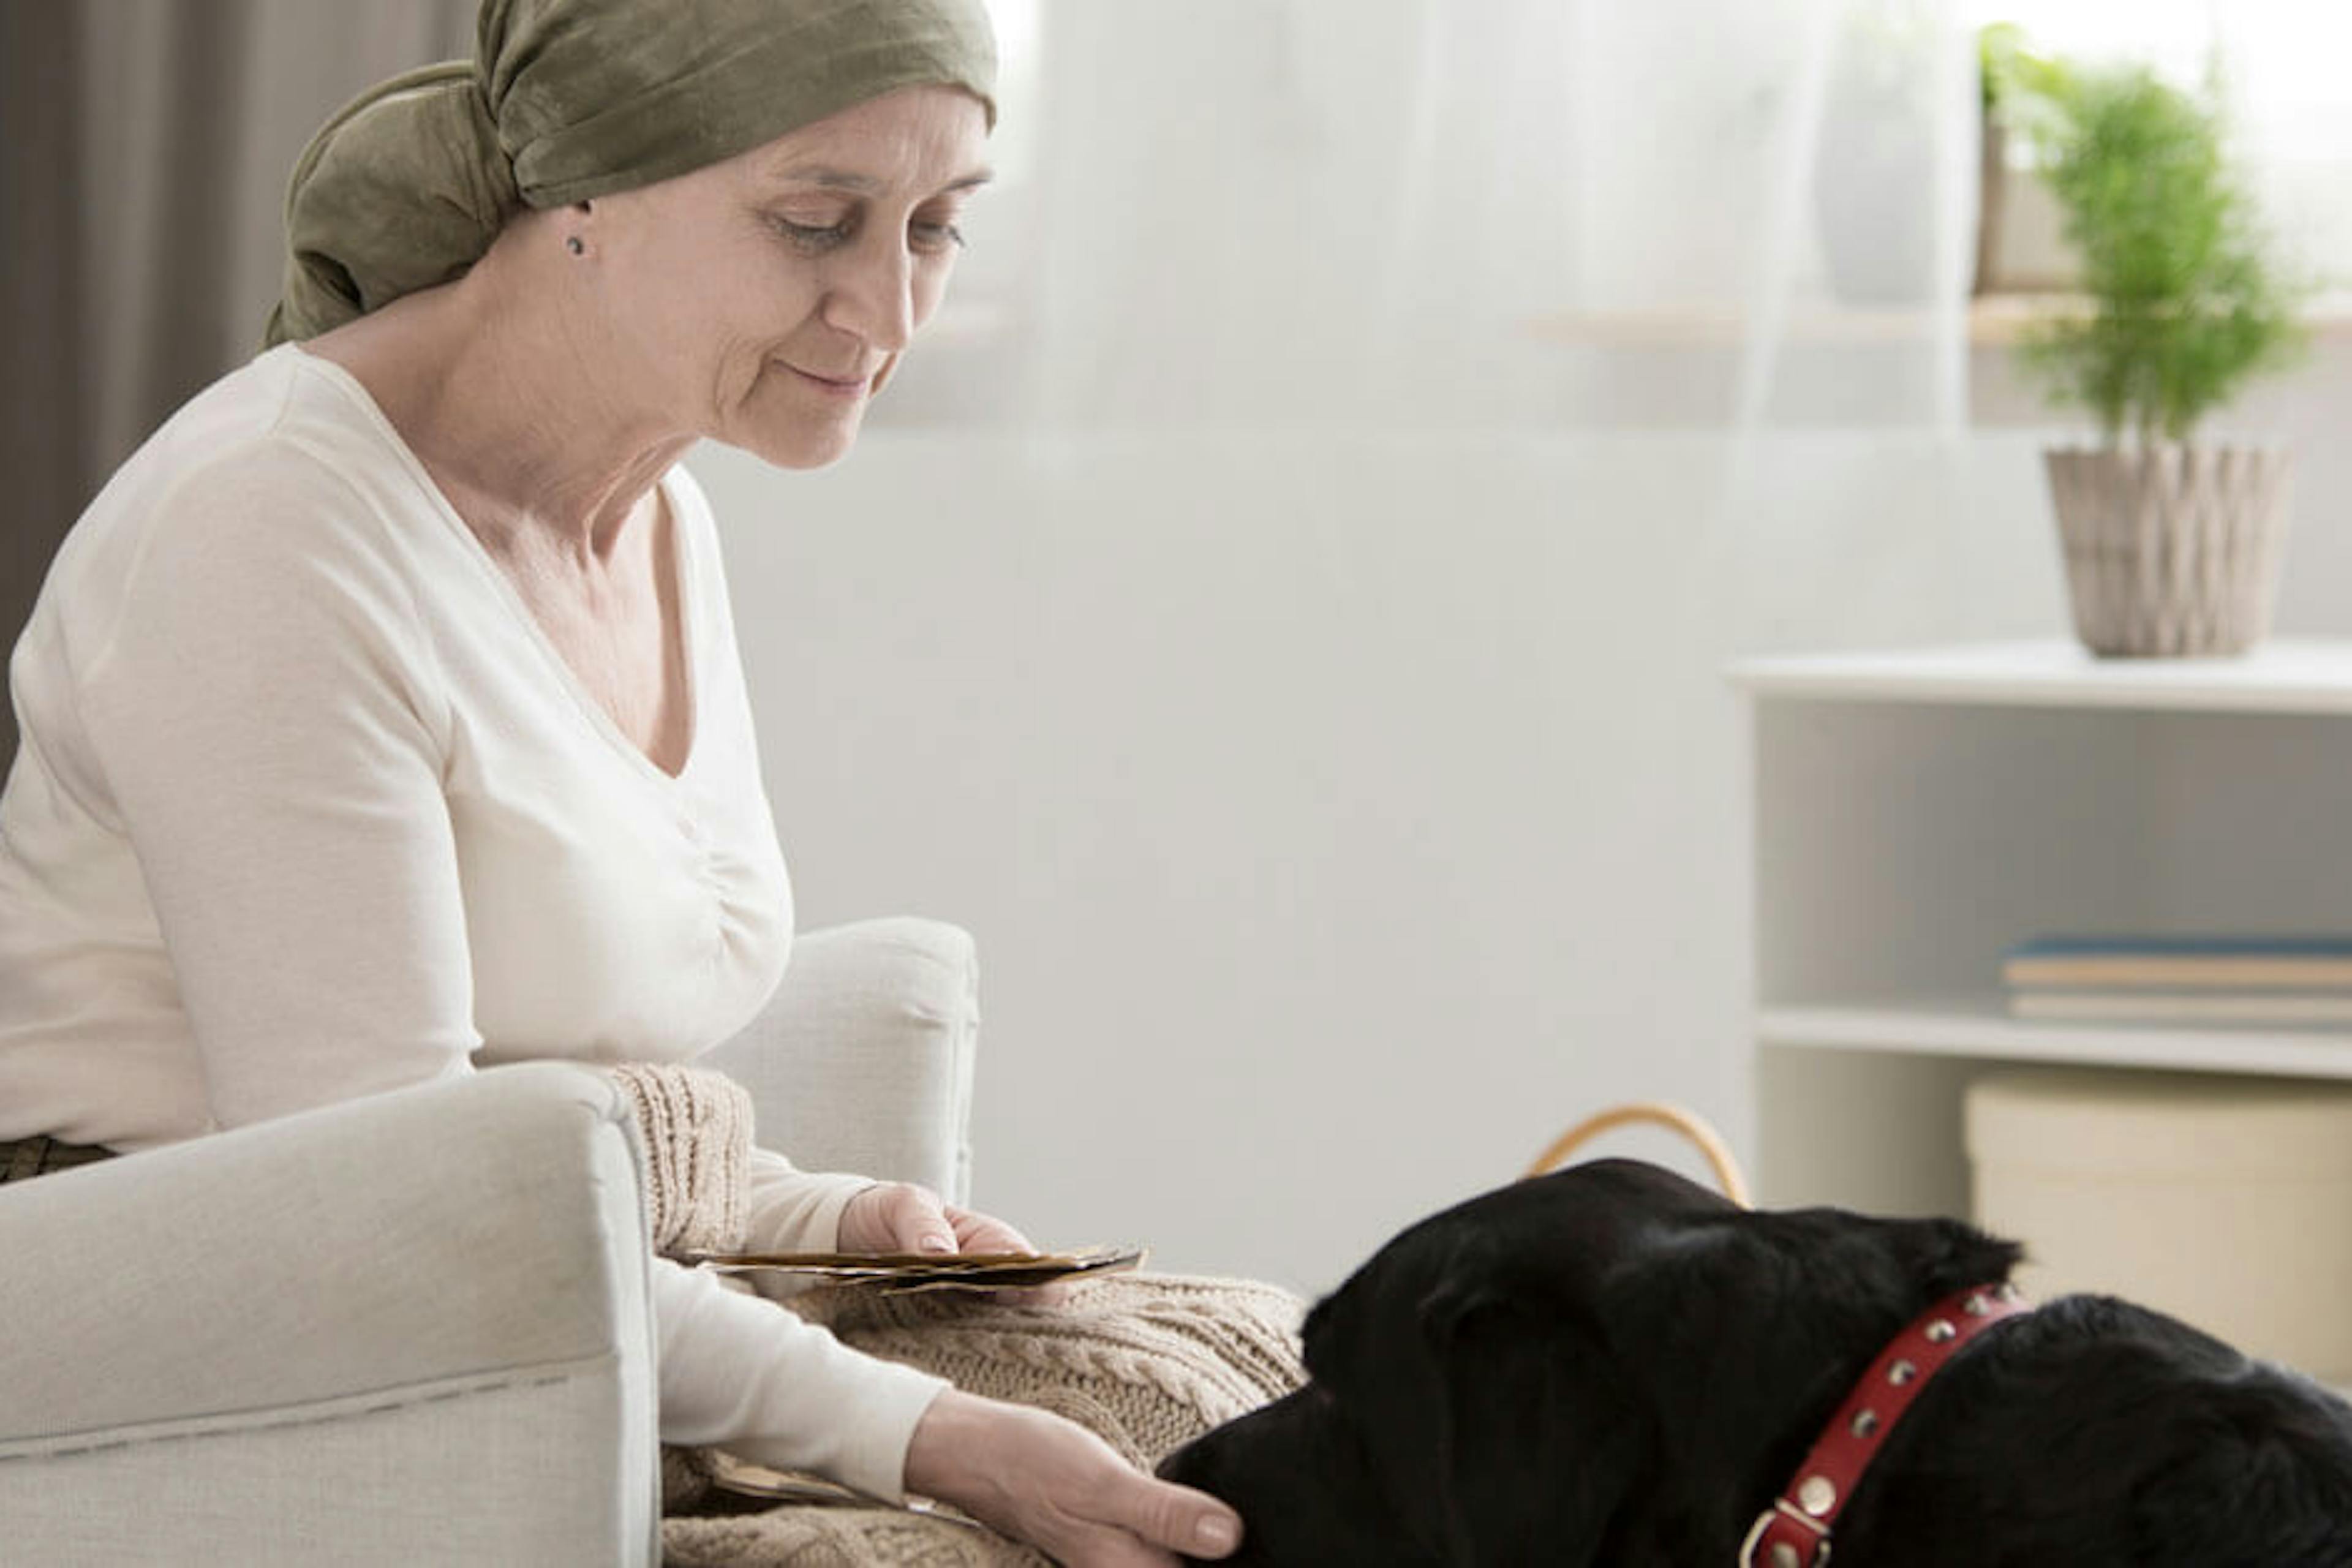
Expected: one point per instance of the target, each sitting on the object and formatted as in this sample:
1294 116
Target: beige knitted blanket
1146 1361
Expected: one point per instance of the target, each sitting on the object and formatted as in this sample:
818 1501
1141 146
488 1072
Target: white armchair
414 1327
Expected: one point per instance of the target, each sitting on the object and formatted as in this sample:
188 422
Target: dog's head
1607 1364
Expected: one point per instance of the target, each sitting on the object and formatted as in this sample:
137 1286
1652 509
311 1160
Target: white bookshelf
1913 813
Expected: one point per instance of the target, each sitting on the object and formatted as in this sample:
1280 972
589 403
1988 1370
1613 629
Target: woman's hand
898 1217
1052 1483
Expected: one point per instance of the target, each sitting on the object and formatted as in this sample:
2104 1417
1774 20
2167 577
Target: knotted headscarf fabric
570 99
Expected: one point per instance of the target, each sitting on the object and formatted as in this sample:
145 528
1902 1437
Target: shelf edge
1884 1031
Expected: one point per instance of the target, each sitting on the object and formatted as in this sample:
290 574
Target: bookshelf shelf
1913 813
1980 1026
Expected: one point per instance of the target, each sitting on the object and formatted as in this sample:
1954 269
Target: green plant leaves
2185 302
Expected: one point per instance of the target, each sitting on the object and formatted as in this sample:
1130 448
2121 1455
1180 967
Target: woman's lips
836 387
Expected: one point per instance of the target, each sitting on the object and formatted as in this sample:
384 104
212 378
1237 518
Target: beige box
2226 1202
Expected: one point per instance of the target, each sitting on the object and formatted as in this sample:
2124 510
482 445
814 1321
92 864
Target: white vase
2172 550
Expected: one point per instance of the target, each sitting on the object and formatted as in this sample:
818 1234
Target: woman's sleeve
746 1374
267 723
792 1210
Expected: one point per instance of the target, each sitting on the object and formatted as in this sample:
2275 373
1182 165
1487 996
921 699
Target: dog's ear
1946 1254
1535 1437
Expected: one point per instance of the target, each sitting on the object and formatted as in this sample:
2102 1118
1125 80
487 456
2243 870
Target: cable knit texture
695 1128
1146 1361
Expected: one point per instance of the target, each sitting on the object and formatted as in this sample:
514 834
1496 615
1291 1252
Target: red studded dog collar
1794 1532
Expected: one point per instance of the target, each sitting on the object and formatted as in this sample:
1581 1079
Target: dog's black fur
1612 1365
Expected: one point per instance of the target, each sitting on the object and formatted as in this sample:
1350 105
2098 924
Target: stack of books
2210 980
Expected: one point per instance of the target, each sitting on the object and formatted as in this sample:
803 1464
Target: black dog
1612 1365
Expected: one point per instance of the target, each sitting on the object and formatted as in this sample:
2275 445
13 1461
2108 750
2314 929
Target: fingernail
1217 1533
935 1244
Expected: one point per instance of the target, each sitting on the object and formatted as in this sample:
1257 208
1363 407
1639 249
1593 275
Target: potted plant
2172 546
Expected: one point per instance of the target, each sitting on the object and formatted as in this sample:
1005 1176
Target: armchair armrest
411 1327
862 1059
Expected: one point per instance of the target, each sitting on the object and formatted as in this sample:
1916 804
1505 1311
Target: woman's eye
813 237
924 236
930 238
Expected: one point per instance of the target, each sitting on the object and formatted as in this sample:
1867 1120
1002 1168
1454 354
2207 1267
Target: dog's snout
1188 1466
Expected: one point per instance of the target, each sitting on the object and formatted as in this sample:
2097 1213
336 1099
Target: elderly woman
383 714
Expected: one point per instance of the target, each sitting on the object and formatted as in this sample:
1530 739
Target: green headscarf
568 99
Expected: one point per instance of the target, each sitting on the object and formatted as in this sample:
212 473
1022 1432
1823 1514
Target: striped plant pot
2172 550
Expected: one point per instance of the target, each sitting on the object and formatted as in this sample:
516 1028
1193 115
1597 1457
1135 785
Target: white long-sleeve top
307 807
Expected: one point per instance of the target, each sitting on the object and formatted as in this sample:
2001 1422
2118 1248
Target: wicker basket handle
1689 1123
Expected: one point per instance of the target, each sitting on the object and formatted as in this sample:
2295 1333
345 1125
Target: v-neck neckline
681 565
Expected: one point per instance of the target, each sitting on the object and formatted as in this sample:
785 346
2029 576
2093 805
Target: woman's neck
496 381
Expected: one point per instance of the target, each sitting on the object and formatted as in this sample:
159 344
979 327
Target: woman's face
767 298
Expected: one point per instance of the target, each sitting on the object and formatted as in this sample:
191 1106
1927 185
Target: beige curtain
144 146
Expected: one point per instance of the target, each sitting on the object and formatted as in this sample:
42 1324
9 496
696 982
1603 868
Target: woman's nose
872 295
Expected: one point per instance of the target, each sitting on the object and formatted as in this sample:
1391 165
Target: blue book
2200 946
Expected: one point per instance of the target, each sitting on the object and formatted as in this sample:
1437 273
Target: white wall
1338 817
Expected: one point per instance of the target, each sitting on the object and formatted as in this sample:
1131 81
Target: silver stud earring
574 247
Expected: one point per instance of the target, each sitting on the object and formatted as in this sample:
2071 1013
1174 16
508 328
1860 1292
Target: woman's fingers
1178 1518
899 1216
896 1216
1121 1518
1044 1479
980 1233
1094 1548
1090 1508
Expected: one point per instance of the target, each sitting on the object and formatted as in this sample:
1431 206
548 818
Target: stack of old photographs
925 1271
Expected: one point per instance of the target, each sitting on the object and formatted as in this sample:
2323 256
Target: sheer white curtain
1532 215
1745 224
1721 221
1262 214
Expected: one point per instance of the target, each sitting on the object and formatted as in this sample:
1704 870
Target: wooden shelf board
1989 320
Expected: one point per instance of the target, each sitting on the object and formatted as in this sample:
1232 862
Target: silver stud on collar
1978 1305
1901 1373
1785 1556
1941 1332
1816 1496
1865 1423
